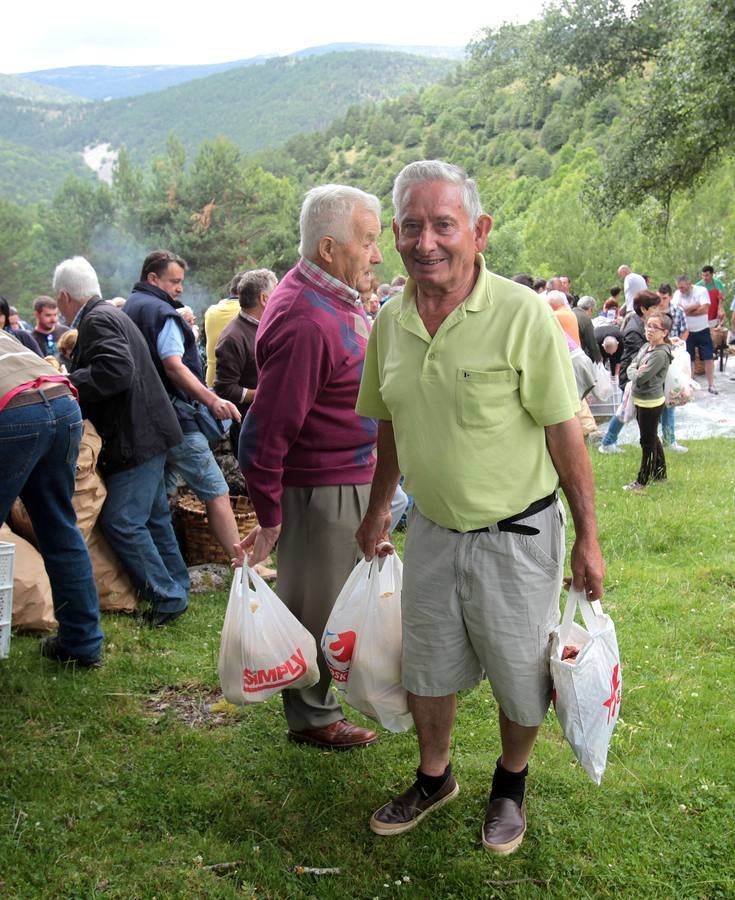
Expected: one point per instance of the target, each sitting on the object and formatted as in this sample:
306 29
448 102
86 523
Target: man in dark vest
122 395
153 307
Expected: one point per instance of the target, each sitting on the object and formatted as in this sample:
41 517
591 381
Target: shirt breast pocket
484 398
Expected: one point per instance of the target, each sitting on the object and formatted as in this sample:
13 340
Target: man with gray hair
237 373
307 457
121 394
469 376
584 311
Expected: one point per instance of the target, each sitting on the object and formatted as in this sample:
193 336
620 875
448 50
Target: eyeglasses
655 328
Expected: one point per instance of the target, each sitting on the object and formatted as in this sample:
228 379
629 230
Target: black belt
512 522
38 395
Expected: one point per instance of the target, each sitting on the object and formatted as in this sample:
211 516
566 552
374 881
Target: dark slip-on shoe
504 826
405 811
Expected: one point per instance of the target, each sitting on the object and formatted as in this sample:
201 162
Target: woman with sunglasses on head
647 374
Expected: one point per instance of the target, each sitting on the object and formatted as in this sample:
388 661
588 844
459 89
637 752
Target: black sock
508 784
430 784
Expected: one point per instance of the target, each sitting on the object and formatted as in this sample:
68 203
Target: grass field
106 792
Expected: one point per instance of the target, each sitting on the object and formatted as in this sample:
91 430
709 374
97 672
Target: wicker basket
201 545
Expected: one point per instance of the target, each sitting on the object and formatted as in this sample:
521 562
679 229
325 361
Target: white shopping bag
338 640
264 648
679 384
603 389
585 670
374 683
626 410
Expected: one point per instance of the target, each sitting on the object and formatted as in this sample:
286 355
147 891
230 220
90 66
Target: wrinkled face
435 239
171 280
46 319
684 285
708 277
352 261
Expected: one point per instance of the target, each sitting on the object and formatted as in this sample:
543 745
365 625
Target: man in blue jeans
121 394
40 430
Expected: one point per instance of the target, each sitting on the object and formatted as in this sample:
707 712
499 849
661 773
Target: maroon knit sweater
302 429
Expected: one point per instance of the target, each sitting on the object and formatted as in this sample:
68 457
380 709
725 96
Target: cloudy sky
48 34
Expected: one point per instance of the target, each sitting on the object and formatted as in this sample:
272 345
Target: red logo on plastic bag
344 645
613 701
277 677
340 651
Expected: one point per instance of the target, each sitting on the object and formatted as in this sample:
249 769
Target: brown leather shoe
504 826
404 812
342 735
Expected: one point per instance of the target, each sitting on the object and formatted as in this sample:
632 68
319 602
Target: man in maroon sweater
307 457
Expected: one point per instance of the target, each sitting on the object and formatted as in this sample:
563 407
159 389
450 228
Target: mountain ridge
100 82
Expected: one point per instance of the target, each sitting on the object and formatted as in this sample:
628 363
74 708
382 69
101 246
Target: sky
46 34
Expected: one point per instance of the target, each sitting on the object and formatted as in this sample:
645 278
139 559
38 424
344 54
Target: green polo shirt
469 405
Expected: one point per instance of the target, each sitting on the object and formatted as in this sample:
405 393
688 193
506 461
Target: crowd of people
335 389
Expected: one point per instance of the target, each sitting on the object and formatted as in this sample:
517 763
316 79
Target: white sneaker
609 448
677 448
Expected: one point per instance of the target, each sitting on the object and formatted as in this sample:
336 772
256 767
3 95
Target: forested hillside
255 107
586 161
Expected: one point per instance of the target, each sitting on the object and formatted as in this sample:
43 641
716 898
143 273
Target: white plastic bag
585 670
362 642
264 648
338 640
603 389
679 384
374 684
626 411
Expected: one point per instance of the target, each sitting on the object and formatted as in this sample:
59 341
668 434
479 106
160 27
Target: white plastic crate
7 557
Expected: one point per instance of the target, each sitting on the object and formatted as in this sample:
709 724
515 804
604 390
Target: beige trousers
316 552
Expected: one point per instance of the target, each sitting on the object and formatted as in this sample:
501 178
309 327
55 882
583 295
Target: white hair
610 344
586 303
77 278
556 299
327 210
436 170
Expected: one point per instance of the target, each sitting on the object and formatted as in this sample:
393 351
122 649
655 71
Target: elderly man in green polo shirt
470 379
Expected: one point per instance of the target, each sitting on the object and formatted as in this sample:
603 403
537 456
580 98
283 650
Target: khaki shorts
483 603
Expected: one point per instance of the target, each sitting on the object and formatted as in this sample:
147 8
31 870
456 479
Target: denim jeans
137 522
615 426
39 445
667 425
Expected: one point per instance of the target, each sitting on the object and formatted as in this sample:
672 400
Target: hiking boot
51 648
404 812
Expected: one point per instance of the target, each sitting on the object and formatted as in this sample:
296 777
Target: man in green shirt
470 379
